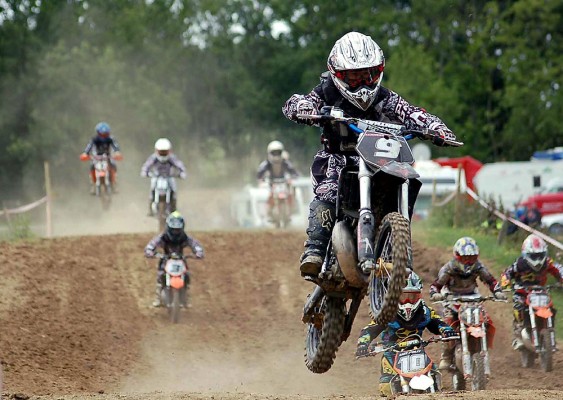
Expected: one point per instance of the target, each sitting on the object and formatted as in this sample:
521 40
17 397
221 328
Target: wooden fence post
49 198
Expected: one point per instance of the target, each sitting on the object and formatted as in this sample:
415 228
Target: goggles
409 297
468 260
163 152
536 256
276 152
355 78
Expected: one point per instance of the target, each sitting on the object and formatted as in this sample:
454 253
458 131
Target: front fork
366 223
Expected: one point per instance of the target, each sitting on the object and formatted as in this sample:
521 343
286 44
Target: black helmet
175 226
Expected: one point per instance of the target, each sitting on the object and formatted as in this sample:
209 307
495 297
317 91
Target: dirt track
76 323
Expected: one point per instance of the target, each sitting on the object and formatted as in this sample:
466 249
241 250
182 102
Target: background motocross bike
163 203
412 366
472 363
280 190
102 184
538 333
370 248
175 283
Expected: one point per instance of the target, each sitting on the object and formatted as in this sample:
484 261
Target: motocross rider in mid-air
102 144
276 167
353 84
173 240
530 269
413 317
459 277
161 163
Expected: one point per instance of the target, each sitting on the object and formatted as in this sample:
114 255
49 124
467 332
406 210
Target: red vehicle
549 200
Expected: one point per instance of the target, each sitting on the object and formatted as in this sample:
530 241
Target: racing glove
362 350
499 295
448 332
304 107
436 297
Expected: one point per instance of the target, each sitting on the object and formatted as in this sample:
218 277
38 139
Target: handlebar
361 125
468 299
535 287
378 348
174 256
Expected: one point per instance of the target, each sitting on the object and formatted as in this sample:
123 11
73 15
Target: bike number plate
379 149
175 267
538 299
411 361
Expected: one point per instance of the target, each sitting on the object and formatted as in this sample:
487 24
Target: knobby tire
322 344
392 245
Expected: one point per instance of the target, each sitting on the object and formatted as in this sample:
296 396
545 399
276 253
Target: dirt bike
412 366
175 284
471 353
163 203
538 333
102 173
280 210
370 248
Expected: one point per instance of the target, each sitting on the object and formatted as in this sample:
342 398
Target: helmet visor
355 78
409 297
276 152
468 260
163 153
537 256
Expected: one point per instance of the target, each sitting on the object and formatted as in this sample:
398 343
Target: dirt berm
76 324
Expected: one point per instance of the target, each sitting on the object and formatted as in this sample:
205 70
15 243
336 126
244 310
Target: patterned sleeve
262 169
289 109
487 278
398 109
509 274
151 247
194 245
178 164
114 144
89 146
369 333
147 165
441 281
555 269
436 325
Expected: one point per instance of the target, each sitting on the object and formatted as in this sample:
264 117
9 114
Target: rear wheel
387 279
324 334
546 354
479 381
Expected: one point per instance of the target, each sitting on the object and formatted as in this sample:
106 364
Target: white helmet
534 251
356 64
275 150
162 149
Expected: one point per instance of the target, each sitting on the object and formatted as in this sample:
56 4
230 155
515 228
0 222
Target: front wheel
458 381
387 279
324 334
546 353
161 215
174 306
479 381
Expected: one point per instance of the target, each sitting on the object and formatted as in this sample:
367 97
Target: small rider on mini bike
459 277
161 163
413 317
173 240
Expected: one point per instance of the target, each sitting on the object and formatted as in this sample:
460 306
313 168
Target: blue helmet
103 129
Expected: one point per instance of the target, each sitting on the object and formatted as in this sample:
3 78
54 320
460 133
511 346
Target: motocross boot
446 358
157 296
150 213
321 221
517 343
